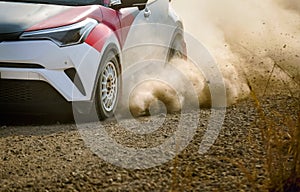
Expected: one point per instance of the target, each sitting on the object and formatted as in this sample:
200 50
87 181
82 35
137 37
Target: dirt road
53 157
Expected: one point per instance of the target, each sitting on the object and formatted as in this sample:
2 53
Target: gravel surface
52 156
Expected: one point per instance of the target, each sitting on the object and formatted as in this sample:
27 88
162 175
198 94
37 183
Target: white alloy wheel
108 86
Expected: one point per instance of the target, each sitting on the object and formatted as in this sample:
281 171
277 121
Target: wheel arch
178 35
102 39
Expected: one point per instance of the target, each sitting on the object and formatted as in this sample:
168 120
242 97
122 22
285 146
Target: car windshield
64 2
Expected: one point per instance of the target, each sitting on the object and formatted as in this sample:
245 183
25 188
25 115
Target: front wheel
108 86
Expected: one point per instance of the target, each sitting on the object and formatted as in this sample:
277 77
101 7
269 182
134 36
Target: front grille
28 96
21 91
15 93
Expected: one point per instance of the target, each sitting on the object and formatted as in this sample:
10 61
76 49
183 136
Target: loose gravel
52 156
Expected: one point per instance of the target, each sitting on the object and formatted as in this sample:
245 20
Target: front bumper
44 61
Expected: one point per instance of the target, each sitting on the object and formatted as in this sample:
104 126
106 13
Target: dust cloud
254 42
251 40
167 87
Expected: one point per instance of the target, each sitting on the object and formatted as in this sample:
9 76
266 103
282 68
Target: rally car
57 52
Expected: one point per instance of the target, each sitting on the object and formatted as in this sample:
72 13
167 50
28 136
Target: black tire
108 86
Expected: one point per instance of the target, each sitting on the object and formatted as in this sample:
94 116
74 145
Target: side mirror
141 4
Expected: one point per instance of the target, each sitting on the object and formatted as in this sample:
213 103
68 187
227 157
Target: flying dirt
250 40
254 43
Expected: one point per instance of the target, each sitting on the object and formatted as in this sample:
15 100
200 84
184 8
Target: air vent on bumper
72 74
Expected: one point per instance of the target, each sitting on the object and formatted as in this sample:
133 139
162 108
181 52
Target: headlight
64 36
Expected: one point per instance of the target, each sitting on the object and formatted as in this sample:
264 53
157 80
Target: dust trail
248 38
256 41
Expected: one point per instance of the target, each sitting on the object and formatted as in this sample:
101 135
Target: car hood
17 17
